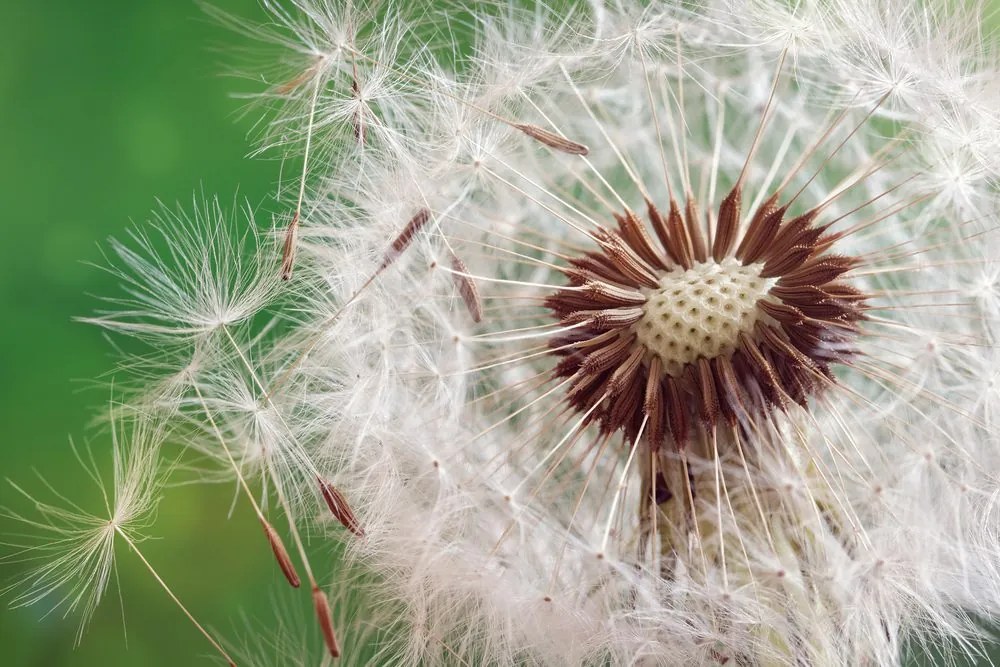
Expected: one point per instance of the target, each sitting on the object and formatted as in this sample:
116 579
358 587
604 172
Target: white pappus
620 333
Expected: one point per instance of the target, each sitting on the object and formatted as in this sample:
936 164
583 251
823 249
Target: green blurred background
104 106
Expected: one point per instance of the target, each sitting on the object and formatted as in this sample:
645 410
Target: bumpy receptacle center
700 312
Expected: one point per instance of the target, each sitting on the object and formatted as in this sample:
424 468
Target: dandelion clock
610 333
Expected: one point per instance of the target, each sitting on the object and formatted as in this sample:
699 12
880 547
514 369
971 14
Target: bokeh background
105 106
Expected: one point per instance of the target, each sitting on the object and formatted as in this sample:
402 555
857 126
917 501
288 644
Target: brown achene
701 327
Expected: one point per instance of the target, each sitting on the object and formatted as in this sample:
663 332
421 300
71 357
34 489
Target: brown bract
682 324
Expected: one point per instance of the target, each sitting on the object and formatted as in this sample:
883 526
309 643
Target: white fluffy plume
423 379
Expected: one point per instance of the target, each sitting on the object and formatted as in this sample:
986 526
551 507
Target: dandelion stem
229 454
173 597
287 568
288 258
321 604
277 485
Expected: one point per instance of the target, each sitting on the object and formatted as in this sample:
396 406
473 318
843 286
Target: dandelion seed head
512 515
630 334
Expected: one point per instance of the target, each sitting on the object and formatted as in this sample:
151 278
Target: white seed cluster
700 312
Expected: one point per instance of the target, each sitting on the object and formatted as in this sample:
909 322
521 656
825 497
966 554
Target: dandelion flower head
632 333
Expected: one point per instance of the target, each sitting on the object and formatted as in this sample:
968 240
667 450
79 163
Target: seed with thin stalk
405 237
552 140
281 555
325 618
299 79
338 506
358 119
467 288
288 248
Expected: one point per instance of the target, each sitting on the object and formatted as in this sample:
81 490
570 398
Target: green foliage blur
105 106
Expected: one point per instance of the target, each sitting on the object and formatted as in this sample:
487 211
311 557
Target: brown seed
680 248
358 120
692 218
660 227
773 339
635 234
585 388
818 271
787 315
593 266
339 508
288 251
628 262
612 295
761 232
299 79
730 391
764 375
627 371
789 235
653 404
708 409
325 618
625 407
552 140
780 265
281 554
729 224
613 318
608 355
405 238
467 289
676 413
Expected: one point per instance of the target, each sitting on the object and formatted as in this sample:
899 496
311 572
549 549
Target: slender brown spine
635 235
339 508
358 120
653 404
709 407
288 250
680 240
467 289
761 230
729 224
281 554
552 140
691 217
405 238
325 618
298 80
